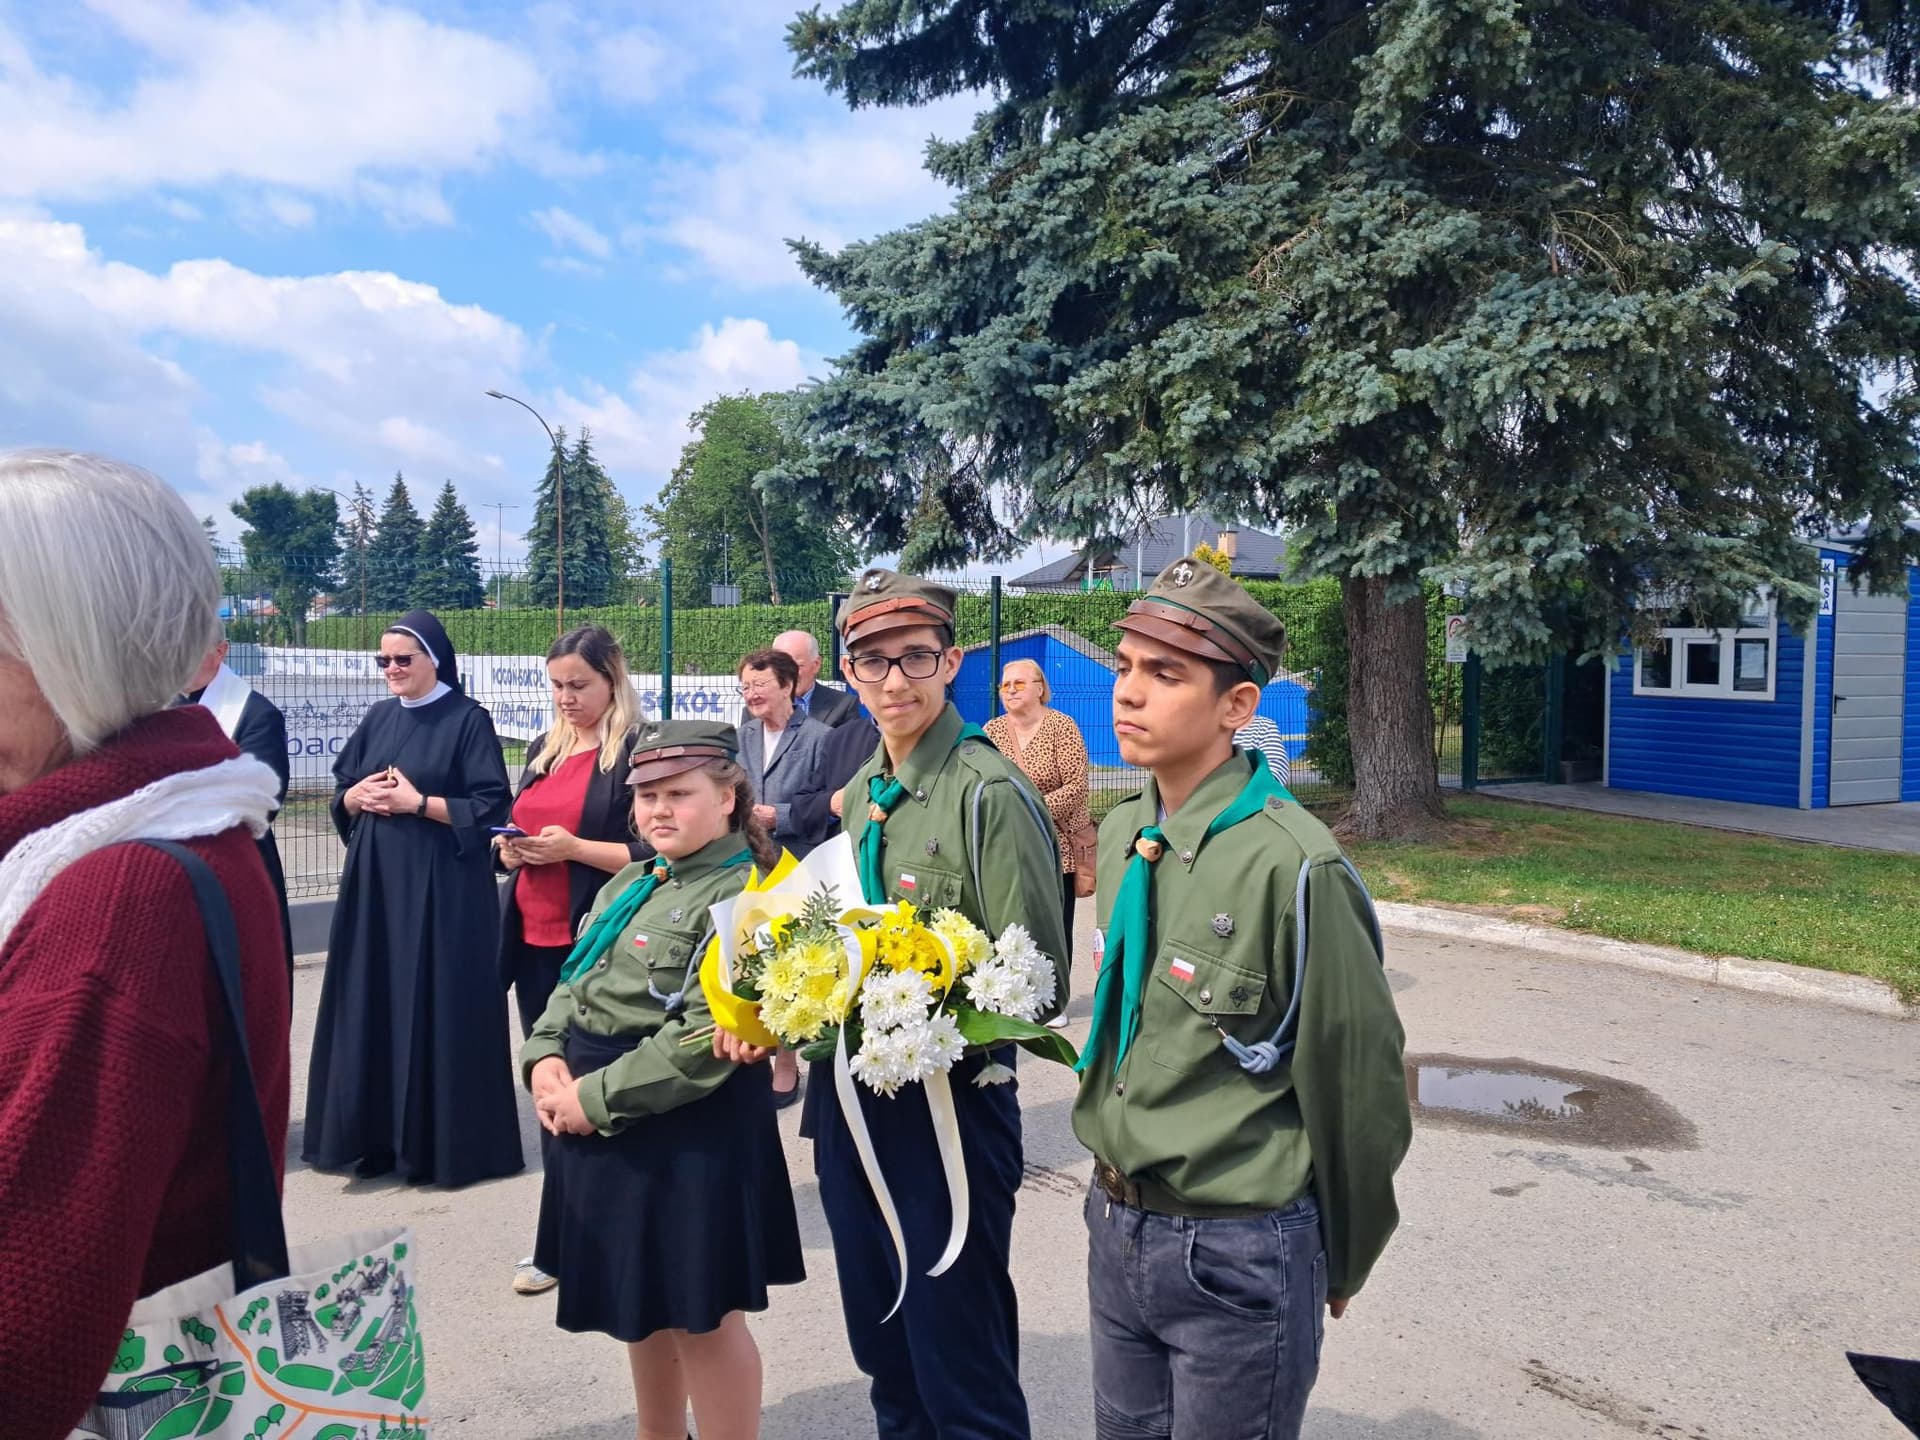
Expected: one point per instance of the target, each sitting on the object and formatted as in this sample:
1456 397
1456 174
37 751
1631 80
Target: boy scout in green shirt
1241 1089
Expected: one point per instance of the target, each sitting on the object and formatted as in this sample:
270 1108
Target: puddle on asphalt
1519 1097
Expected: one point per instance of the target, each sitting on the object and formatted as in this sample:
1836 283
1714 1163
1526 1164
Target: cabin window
1699 664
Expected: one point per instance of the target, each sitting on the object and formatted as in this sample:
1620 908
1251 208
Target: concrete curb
1761 977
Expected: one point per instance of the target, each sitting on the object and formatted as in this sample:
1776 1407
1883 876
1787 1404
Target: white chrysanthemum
944 1043
878 1065
892 998
989 987
1015 945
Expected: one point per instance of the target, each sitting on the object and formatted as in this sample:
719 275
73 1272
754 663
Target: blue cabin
1764 714
1080 679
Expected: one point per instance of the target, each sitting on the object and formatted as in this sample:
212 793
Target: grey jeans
1204 1329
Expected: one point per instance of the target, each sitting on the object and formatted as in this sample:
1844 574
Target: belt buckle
1111 1182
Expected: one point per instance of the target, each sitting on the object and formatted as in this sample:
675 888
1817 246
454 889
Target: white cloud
569 232
639 431
750 189
632 67
340 98
386 368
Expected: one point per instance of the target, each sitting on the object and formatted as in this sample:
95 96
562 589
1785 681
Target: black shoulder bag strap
256 1234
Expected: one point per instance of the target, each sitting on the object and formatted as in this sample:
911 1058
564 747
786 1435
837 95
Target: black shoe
374 1163
783 1098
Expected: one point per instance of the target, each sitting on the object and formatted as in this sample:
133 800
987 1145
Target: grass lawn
1708 891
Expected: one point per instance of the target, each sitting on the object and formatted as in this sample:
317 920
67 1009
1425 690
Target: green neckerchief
1132 920
886 792
606 929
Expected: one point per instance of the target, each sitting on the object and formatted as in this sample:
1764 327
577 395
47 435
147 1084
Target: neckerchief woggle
885 792
600 935
1132 920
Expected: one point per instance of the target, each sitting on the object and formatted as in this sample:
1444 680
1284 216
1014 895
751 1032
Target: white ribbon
946 1130
856 1118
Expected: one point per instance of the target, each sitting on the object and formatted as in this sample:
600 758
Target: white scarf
186 806
226 696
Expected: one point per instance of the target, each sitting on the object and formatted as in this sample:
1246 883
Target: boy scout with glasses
1241 1089
939 818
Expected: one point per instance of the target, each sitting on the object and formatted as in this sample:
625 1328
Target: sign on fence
1456 639
325 693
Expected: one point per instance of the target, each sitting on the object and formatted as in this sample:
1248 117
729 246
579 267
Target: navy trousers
947 1366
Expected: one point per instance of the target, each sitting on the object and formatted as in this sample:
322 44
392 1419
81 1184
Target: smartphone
512 832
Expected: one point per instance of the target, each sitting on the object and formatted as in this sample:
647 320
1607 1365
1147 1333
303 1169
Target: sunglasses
403 661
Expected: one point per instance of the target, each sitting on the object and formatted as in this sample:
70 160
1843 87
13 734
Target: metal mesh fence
311 655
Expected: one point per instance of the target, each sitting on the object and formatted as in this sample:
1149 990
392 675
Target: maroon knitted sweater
113 1178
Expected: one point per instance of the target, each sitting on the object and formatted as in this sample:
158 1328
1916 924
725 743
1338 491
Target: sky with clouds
298 241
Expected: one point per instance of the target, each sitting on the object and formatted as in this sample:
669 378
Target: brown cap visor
900 613
674 760
1184 630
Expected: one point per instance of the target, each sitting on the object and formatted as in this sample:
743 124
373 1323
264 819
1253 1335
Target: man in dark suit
826 703
255 724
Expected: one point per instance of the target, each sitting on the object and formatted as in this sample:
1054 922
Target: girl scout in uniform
1241 1089
666 1211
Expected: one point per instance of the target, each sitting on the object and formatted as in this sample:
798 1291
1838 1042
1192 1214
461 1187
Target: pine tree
356 550
393 555
448 572
591 529
1577 302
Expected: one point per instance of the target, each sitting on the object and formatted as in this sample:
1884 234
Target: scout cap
669 747
884 600
1193 607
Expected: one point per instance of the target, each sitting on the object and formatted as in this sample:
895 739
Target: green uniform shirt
662 944
1180 1115
970 836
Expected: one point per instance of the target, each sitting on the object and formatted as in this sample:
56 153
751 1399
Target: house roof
1262 555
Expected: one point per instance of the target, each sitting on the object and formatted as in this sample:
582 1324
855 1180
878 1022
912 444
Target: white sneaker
1059 1022
530 1279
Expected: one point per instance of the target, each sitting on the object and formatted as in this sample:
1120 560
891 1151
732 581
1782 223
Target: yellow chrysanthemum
969 943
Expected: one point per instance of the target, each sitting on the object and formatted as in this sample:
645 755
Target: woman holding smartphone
572 828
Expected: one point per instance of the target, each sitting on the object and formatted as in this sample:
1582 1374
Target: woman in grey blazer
781 748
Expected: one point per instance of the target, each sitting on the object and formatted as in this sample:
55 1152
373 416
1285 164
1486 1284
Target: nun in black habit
411 1066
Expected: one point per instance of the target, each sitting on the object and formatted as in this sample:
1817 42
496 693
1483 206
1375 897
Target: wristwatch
423 806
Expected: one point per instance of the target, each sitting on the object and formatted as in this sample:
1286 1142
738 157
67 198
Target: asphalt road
1695 1201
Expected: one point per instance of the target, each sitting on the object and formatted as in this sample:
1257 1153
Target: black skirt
675 1222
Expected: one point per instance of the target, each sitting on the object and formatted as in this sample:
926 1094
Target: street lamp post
559 511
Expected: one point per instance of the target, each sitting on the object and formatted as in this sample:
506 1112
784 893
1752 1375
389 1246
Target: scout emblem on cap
875 579
1181 574
1223 925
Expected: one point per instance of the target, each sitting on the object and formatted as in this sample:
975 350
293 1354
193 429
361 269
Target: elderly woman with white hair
114 1065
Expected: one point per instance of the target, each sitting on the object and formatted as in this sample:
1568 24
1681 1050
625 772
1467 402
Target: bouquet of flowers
913 990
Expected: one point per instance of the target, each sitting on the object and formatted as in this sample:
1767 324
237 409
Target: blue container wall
1082 688
1717 749
1910 762
1823 701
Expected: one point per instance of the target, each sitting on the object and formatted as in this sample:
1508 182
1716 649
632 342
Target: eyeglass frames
403 661
915 665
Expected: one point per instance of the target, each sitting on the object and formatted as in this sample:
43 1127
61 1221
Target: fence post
834 601
993 647
666 638
1554 723
1470 724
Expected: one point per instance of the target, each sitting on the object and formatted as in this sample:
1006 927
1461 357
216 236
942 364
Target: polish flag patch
907 882
1181 970
639 942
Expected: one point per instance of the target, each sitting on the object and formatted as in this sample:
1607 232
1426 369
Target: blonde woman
1047 746
573 818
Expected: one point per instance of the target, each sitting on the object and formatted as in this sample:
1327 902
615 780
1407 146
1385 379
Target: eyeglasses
403 661
915 665
1013 687
758 687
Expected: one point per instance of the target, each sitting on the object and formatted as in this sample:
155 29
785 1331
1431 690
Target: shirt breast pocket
1193 996
666 955
927 885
